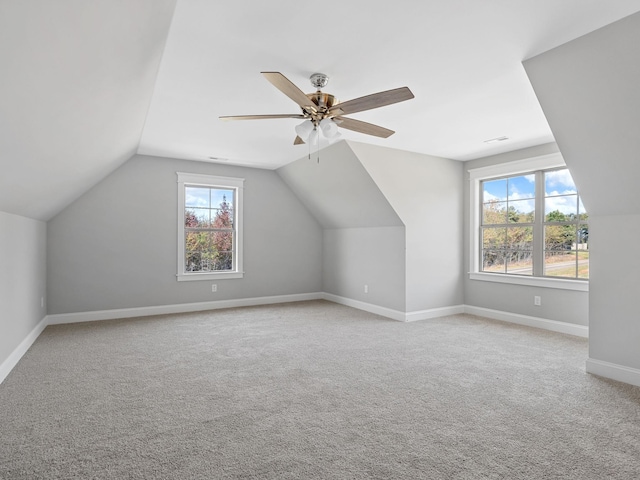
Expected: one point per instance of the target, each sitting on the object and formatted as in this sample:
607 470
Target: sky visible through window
510 218
560 192
205 197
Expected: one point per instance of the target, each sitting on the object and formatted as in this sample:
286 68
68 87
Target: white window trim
219 182
476 175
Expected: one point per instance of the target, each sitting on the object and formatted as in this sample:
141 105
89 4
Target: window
209 227
529 225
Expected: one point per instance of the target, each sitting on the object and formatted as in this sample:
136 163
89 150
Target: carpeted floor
312 390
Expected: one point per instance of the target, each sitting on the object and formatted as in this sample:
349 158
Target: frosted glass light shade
304 129
329 128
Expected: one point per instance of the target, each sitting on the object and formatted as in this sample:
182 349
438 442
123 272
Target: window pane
222 241
224 261
222 218
197 197
493 261
558 182
583 264
494 238
582 237
494 213
521 211
520 238
197 241
494 190
193 262
520 262
522 187
560 264
560 209
208 251
190 218
220 195
559 237
196 217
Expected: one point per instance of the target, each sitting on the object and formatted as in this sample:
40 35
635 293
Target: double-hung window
209 227
529 225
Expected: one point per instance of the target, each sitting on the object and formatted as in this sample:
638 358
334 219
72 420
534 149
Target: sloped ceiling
77 78
590 91
338 191
83 88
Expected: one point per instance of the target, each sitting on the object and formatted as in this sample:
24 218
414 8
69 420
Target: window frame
525 166
211 181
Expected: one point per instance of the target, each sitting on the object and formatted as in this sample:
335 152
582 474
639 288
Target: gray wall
588 89
363 240
22 279
426 193
338 190
115 247
561 305
614 334
355 257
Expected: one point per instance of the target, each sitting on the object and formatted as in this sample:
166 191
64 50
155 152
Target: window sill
543 282
191 277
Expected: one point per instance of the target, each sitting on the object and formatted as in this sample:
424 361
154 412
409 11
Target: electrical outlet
214 287
366 289
537 301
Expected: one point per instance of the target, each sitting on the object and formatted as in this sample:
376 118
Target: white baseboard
15 356
553 325
395 314
613 371
177 308
597 367
367 307
434 313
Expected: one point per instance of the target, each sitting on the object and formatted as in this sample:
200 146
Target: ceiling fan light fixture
329 128
304 129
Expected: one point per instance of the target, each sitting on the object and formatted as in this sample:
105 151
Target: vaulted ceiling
85 85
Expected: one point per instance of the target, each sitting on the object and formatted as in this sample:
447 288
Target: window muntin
209 227
515 238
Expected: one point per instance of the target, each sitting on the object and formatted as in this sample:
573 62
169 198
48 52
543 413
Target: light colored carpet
313 390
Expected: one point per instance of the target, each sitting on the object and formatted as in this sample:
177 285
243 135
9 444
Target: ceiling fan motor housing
323 100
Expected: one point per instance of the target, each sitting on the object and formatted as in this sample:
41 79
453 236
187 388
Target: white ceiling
85 85
461 58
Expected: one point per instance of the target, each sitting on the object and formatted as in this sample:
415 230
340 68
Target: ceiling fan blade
374 100
287 87
298 141
262 117
363 127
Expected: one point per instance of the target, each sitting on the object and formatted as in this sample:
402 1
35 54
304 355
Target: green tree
560 236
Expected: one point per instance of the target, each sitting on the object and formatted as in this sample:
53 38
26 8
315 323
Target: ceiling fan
323 112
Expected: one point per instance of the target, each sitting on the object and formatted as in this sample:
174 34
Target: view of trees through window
209 229
518 238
